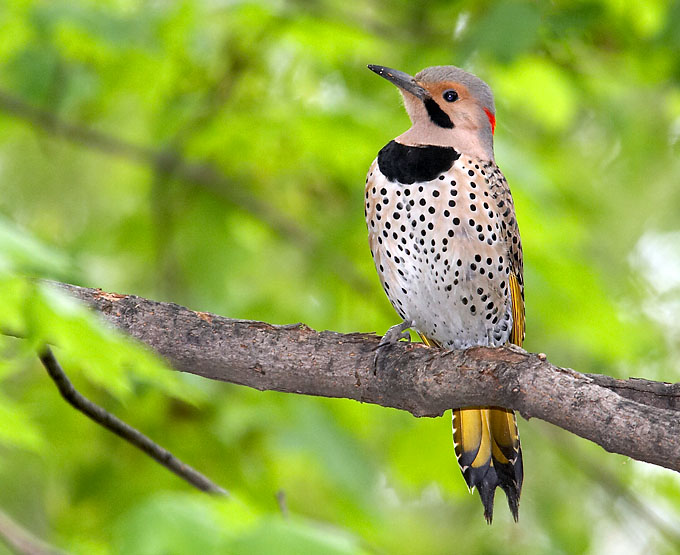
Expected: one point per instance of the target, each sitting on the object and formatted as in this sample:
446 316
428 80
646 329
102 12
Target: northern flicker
446 244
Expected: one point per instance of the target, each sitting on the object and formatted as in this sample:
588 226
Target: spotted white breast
444 251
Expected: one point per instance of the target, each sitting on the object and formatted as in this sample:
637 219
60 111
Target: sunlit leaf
18 430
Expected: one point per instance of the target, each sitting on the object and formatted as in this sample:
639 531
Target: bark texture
637 418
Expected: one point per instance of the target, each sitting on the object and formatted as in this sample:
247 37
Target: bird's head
448 106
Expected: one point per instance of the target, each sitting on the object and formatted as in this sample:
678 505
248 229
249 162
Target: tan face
455 101
437 91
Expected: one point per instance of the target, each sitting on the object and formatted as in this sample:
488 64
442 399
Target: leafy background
213 153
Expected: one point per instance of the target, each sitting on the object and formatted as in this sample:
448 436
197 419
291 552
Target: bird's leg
392 336
396 333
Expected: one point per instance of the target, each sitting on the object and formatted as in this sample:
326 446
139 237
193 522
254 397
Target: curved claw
392 336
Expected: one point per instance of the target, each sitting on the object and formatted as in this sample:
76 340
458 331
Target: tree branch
636 418
121 429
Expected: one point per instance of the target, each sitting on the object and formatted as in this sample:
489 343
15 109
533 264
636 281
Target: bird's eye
450 95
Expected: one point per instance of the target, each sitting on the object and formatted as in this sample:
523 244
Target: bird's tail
487 446
486 441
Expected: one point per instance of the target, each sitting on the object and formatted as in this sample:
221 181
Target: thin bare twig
123 430
21 540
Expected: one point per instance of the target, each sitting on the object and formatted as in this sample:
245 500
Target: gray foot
391 337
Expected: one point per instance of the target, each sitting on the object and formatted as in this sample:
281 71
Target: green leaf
170 524
18 429
23 252
295 536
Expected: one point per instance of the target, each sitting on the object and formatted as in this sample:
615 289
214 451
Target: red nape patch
492 120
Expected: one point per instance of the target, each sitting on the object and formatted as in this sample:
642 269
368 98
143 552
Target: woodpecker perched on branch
446 244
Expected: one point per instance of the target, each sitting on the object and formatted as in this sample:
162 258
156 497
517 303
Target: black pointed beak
402 80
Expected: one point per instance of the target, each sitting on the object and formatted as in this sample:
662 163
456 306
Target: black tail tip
486 494
487 502
512 492
513 503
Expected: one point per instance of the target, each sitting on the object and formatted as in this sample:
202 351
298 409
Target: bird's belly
438 251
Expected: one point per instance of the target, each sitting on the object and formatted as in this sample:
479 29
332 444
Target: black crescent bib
411 164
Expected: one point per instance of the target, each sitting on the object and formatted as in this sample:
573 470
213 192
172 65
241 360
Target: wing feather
517 333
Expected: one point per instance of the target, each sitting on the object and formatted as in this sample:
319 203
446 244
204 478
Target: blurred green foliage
214 156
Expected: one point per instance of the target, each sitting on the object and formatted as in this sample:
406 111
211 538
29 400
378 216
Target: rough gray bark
636 418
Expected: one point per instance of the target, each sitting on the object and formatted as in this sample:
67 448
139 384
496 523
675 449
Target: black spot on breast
408 164
437 115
